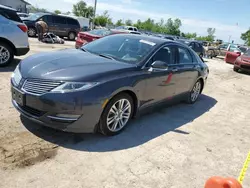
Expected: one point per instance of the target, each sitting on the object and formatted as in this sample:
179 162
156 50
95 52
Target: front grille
245 66
39 87
32 111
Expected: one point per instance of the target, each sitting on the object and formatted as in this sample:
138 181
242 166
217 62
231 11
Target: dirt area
177 147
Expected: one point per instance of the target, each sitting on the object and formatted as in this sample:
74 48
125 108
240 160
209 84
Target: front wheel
116 114
194 93
236 69
31 32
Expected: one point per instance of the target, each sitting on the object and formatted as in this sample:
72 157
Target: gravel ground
177 147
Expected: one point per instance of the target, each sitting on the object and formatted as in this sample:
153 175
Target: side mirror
238 53
159 65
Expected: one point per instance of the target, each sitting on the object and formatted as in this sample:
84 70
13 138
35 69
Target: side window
11 15
130 29
135 29
47 19
184 56
165 54
59 20
197 46
72 21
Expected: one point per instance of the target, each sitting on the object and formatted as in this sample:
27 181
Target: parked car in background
243 62
224 48
233 54
89 36
195 45
22 15
13 35
129 29
106 83
62 26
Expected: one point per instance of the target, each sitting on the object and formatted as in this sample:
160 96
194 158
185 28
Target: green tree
81 9
103 20
246 37
189 35
57 12
211 32
129 22
173 27
119 23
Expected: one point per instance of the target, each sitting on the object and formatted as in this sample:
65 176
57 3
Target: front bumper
22 51
242 66
43 109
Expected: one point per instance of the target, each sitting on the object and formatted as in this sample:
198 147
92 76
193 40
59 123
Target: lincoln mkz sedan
105 83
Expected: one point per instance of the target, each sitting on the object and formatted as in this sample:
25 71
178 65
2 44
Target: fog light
70 116
64 117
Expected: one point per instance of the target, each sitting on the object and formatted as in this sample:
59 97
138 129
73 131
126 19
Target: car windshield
247 53
124 48
100 32
243 49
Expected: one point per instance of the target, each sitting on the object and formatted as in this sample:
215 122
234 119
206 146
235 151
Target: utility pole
94 15
229 38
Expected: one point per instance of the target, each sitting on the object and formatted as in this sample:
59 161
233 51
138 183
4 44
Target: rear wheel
116 114
72 36
31 32
6 54
195 92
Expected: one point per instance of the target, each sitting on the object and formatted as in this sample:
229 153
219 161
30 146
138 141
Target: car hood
245 58
71 65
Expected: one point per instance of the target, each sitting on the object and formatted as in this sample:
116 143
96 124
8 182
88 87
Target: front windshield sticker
147 42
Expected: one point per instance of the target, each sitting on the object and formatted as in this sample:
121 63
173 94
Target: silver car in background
13 36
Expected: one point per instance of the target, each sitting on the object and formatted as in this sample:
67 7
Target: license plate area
18 96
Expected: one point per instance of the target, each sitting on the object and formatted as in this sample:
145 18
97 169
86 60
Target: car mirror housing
159 65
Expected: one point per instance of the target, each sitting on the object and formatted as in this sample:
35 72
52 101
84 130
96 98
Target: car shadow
138 132
11 67
244 72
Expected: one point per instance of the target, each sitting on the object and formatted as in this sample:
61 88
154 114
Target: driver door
160 83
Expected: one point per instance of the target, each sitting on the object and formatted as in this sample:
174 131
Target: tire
196 90
6 54
32 32
116 126
236 69
72 36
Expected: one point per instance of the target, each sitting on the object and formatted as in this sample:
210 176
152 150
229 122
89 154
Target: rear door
187 70
60 25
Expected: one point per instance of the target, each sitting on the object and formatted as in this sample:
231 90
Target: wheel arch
6 41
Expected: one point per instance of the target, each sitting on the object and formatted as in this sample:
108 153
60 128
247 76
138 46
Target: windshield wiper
106 56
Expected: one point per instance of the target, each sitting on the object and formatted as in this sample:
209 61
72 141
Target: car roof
156 40
8 8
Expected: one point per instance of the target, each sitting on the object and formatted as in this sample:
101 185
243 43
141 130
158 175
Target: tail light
23 28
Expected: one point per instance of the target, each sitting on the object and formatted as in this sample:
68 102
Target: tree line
170 26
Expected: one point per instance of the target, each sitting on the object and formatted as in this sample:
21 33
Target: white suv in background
13 35
129 29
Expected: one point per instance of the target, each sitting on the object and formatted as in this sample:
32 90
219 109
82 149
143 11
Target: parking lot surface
178 147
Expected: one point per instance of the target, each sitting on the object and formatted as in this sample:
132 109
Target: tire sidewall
189 100
103 120
11 52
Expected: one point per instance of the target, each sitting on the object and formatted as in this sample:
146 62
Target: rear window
11 15
72 22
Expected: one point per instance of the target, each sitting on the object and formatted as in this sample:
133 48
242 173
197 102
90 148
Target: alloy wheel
31 32
196 91
4 55
118 115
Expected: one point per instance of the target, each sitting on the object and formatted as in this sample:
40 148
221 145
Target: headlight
74 86
16 76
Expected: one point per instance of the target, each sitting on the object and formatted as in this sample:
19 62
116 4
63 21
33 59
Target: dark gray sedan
101 86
